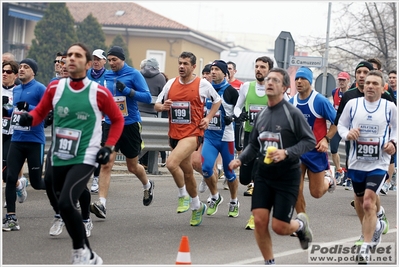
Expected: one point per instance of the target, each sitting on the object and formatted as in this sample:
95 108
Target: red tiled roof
134 16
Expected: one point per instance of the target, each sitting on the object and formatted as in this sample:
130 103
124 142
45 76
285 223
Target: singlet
75 140
317 109
186 111
253 104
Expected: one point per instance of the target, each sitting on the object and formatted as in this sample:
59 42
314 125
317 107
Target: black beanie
117 51
32 64
221 65
364 64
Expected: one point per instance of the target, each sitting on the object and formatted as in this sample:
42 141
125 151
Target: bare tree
362 30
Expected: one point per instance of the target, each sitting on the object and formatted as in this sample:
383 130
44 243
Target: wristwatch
328 139
286 152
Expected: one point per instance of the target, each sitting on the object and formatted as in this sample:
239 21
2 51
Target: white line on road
295 251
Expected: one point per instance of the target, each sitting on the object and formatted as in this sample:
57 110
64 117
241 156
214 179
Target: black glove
49 119
5 99
243 116
126 91
25 119
103 155
23 105
229 119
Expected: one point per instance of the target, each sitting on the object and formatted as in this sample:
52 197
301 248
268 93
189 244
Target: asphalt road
133 234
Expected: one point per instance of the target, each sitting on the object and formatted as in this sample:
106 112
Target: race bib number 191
66 143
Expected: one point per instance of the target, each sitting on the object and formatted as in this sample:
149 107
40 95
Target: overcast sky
263 17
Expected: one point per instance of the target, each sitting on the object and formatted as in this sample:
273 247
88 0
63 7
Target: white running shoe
333 181
94 185
225 184
203 186
56 228
88 227
96 260
81 256
22 194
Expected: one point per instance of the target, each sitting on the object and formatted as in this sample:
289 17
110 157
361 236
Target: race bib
181 112
214 124
7 126
368 149
66 143
121 103
253 111
15 117
267 139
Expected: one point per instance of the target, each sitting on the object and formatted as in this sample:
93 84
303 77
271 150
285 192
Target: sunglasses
8 71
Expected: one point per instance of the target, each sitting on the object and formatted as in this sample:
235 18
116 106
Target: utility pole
324 81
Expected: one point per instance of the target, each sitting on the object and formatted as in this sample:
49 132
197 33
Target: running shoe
149 194
184 204
353 203
385 188
220 174
202 186
213 205
348 185
359 242
98 209
96 260
196 217
225 184
376 239
251 223
333 182
56 228
81 256
94 185
339 176
305 234
22 194
363 257
234 209
384 218
250 189
88 227
10 224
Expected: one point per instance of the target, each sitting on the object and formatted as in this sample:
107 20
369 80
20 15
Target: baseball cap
99 53
344 76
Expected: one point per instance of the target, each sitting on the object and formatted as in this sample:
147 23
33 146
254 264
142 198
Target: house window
159 56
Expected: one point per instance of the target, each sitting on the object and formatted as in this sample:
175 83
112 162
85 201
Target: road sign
316 62
330 85
284 47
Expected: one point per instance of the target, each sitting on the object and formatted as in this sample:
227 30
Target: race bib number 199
181 113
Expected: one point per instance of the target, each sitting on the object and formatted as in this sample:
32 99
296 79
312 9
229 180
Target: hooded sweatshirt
155 81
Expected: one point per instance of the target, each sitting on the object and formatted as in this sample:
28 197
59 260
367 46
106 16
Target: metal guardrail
155 138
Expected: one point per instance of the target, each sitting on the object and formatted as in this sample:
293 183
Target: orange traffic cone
183 256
